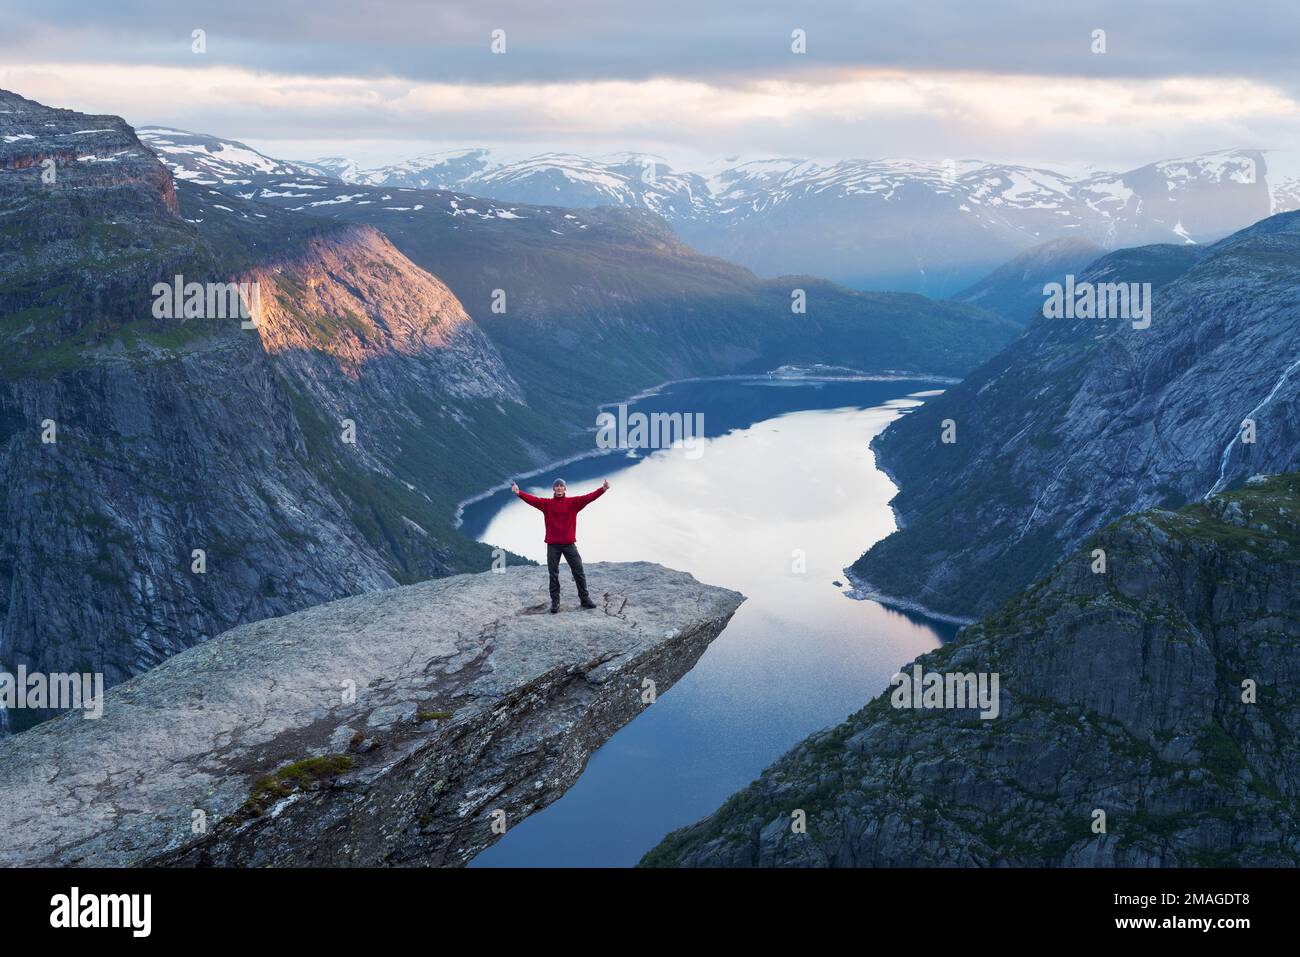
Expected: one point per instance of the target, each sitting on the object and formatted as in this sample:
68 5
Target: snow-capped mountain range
208 160
907 225
228 167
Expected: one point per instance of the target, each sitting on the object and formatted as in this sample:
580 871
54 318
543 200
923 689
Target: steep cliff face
232 443
1082 420
165 479
1123 692
67 151
356 329
394 728
352 299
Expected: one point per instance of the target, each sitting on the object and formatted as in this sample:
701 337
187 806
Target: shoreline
863 590
879 462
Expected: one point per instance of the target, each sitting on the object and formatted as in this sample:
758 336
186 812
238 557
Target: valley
323 453
258 416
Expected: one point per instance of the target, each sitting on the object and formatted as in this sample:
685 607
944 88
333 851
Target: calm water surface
785 470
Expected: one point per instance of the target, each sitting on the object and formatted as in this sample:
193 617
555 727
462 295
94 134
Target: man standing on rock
561 515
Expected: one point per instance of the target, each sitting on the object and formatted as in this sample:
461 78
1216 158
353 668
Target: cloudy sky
691 80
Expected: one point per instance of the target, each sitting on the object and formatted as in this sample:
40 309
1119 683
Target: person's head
558 488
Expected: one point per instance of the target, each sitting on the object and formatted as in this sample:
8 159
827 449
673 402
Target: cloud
631 39
1011 80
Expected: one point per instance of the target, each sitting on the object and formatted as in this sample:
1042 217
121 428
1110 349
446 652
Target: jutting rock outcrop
392 728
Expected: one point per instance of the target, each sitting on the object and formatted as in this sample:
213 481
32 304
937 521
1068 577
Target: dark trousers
570 553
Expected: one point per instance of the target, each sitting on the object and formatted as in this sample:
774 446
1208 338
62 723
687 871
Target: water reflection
785 482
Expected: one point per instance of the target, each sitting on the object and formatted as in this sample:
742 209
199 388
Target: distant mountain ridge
901 225
906 225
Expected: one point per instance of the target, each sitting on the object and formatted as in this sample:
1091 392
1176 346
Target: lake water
783 480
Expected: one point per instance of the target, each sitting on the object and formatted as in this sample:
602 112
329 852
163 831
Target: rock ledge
384 729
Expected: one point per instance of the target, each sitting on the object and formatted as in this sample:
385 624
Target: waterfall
1227 451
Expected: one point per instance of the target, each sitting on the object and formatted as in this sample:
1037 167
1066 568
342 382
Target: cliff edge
391 728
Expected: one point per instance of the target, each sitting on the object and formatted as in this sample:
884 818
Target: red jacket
562 514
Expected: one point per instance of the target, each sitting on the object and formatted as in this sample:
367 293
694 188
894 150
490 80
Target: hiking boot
588 603
555 607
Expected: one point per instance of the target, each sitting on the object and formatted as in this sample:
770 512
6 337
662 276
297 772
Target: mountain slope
1079 421
1015 291
208 161
1119 692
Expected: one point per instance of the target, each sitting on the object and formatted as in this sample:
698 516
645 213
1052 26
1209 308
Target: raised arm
585 500
532 500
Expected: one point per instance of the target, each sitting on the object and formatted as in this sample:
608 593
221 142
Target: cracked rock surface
384 729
